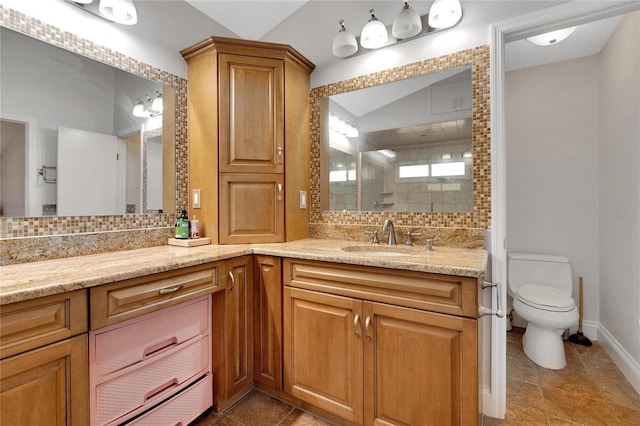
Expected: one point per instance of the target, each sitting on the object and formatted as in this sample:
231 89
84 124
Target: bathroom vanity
352 336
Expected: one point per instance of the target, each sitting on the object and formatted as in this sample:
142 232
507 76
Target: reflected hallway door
87 173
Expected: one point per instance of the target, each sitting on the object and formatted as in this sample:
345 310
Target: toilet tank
527 268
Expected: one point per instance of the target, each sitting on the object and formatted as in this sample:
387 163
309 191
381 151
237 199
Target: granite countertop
30 280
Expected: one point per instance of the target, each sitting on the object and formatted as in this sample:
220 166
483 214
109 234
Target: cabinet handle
356 320
233 280
150 350
168 290
367 323
482 311
279 192
279 155
153 392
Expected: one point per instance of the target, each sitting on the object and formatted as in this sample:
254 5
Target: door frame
31 198
553 18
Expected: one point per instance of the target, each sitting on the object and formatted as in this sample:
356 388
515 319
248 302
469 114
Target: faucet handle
429 244
376 240
411 233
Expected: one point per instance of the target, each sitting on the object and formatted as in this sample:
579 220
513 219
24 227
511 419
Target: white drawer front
129 342
181 409
150 382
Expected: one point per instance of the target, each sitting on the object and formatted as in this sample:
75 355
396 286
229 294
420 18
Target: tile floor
590 390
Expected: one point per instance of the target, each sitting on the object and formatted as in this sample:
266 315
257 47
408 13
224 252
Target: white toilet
541 288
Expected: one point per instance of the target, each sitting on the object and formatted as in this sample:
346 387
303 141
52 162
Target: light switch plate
195 201
303 199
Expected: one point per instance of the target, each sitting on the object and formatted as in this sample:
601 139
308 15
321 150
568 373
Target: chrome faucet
388 225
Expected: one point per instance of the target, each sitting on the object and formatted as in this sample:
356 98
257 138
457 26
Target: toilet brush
579 338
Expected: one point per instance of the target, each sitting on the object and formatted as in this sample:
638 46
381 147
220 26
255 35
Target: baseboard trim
627 365
590 329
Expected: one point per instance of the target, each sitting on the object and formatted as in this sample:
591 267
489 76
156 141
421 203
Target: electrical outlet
303 199
195 201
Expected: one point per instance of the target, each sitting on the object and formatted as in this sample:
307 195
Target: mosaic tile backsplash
16 233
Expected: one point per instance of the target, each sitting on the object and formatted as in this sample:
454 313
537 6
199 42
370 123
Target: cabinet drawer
434 292
34 323
113 303
149 383
132 341
181 409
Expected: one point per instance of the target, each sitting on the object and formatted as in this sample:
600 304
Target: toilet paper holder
483 311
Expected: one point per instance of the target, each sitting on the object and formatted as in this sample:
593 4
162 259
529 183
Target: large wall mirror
403 146
72 142
411 142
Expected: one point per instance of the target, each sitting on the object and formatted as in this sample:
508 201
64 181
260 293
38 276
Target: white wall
552 167
619 214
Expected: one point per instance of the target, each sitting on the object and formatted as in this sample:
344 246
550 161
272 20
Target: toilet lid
544 297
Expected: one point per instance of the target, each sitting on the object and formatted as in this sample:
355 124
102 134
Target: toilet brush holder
579 338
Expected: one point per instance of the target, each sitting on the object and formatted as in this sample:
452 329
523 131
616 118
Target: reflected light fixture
407 23
374 34
344 43
445 13
139 111
553 37
157 104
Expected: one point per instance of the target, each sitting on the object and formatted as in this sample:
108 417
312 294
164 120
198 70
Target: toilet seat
545 298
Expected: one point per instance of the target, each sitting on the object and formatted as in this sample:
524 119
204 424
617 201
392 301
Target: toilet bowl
541 288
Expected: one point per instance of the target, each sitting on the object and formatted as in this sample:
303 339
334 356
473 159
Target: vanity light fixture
119 11
344 43
139 109
374 34
339 125
407 25
445 13
467 154
553 37
446 156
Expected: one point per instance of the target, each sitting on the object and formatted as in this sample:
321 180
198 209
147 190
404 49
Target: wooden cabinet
248 114
267 321
233 334
43 372
374 362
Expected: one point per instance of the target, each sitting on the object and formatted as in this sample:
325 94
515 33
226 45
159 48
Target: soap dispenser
182 226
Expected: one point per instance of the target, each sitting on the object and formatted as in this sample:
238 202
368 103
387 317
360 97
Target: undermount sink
377 250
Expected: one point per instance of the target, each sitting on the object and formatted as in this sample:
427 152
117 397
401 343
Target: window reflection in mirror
51 92
404 146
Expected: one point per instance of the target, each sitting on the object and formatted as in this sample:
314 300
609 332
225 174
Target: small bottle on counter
195 227
182 226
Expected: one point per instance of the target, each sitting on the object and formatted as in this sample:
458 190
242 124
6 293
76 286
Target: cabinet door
251 100
267 320
251 208
239 324
323 351
420 367
46 386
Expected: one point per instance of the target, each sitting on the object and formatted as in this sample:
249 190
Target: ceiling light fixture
157 104
553 37
407 25
139 111
344 43
374 34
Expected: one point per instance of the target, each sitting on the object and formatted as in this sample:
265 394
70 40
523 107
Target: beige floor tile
300 418
259 409
523 370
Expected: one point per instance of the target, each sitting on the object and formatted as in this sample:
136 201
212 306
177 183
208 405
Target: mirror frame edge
478 58
20 227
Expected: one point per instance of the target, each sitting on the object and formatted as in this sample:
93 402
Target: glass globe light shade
445 13
407 23
553 37
374 34
344 43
